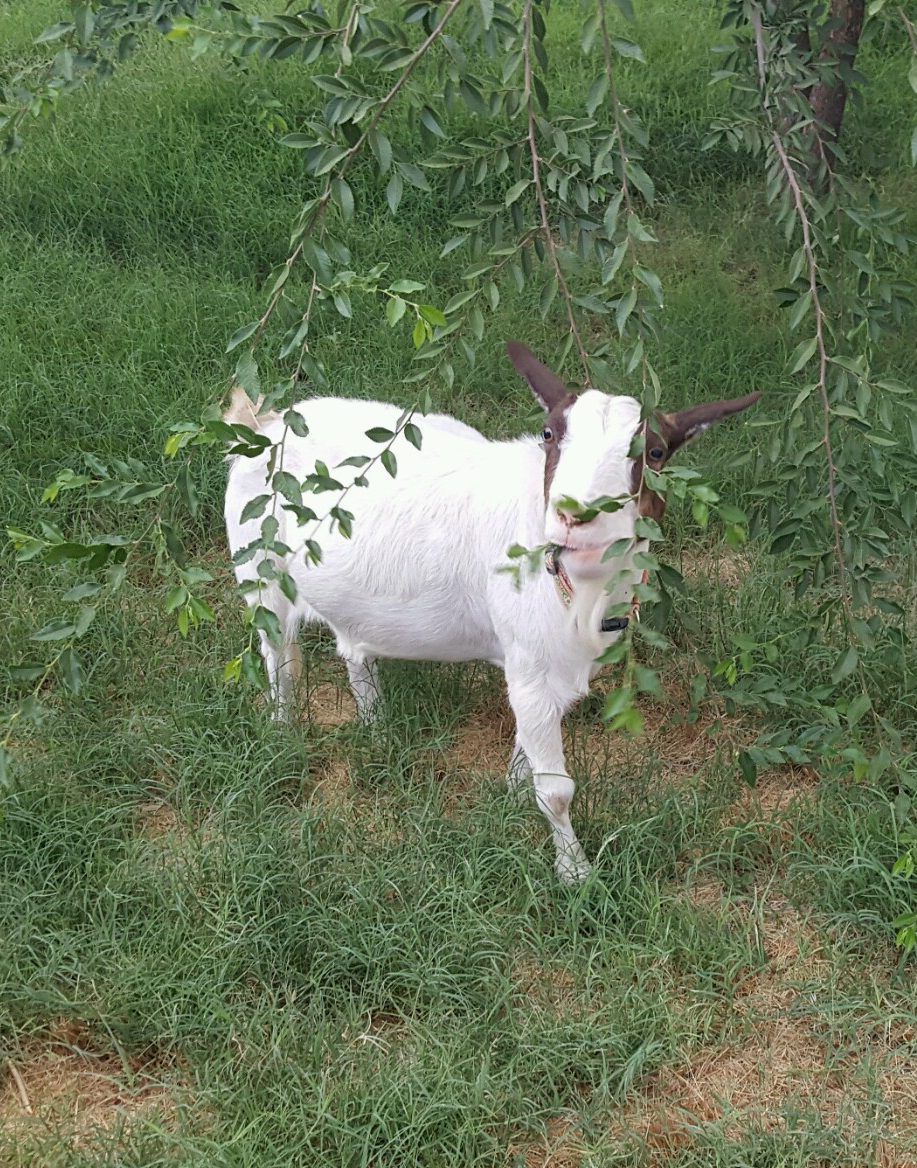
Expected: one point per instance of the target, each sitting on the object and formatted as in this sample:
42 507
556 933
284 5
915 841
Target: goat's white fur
420 578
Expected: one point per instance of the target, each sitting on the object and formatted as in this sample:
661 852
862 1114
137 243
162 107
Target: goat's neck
592 599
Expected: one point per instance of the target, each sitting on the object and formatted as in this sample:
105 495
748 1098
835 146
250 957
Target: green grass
320 946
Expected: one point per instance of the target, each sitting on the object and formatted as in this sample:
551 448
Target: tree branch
539 190
819 311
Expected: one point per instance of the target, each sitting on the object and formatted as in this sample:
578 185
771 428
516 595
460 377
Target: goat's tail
242 411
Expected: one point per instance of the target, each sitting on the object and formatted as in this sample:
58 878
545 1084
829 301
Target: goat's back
414 580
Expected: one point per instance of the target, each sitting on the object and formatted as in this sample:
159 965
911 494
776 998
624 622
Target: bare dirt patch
328 705
60 1084
158 820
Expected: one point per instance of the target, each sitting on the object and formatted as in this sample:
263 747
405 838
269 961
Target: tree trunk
829 99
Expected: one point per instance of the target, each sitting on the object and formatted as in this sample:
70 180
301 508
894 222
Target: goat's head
587 440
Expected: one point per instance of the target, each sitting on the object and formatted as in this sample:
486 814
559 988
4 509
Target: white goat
420 578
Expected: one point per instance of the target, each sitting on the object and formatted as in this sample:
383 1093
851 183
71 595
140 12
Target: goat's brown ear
681 427
546 386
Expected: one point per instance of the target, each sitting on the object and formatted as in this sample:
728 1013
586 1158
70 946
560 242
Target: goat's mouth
582 558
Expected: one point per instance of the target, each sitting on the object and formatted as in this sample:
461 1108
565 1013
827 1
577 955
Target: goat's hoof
572 869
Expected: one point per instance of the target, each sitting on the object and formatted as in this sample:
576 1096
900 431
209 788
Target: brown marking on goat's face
555 428
554 397
675 430
650 505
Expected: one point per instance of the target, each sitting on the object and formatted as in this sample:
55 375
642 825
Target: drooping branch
539 190
802 217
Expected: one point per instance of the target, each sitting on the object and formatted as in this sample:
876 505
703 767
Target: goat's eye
657 453
547 434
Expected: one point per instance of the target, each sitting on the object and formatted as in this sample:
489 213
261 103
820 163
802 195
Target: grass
231 943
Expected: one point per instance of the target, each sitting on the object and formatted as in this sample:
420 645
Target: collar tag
565 590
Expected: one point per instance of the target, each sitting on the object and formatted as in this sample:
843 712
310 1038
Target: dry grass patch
552 988
485 741
558 1147
721 564
779 1058
677 746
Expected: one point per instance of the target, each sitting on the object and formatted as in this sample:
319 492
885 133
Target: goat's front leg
364 681
539 738
519 773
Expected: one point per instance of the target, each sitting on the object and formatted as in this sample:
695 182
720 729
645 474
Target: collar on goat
566 591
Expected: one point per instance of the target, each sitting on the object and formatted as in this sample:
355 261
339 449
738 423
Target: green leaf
647 680
515 191
84 619
379 434
187 490
58 630
297 423
395 310
254 508
413 435
241 335
393 192
646 528
343 196
389 462
651 280
71 670
747 768
382 149
414 175
845 665
82 591
267 622
629 49
432 315
860 705
429 120
331 156
802 355
597 93
641 180
247 375
54 33
419 335
406 286
800 310
84 22
288 486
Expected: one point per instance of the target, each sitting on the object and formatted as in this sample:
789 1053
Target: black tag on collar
614 624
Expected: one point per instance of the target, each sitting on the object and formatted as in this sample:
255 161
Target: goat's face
588 440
